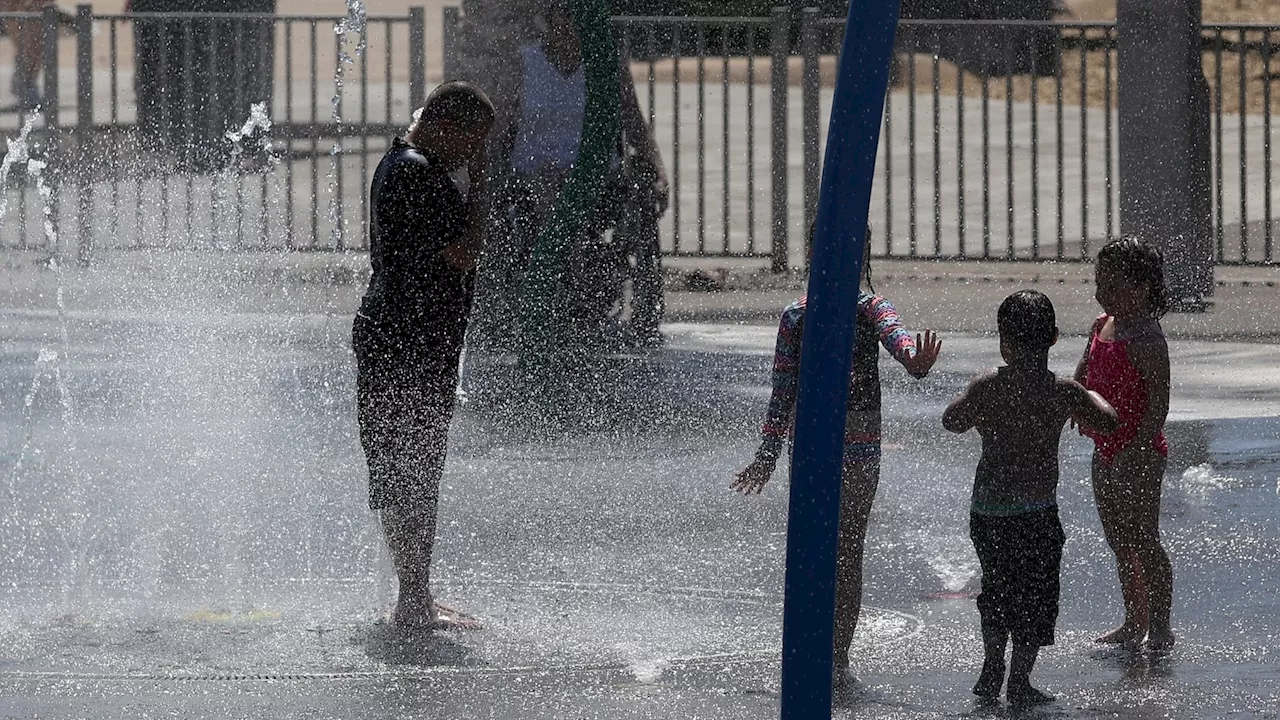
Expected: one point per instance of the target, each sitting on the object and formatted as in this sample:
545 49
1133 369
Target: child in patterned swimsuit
1127 362
878 323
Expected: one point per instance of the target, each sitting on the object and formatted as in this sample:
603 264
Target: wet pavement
185 535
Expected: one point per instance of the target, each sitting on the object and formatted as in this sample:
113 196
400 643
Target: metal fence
999 139
137 143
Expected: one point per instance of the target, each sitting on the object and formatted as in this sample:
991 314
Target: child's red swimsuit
1112 375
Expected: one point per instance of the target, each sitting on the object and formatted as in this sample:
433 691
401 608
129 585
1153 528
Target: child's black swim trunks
1021 557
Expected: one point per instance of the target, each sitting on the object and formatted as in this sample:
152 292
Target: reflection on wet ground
185 534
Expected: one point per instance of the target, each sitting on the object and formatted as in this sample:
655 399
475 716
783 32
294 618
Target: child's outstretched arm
916 355
1150 357
1089 409
965 412
782 402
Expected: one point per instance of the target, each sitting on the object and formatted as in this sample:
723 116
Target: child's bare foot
1021 693
845 686
1123 635
989 682
1160 641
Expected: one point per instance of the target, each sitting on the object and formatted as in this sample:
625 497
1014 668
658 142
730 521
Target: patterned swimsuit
878 324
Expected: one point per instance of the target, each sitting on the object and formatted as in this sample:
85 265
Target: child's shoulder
793 314
1147 331
796 308
1148 346
1099 323
868 300
987 380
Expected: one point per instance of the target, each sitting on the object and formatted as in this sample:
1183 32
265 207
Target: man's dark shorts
405 395
1021 558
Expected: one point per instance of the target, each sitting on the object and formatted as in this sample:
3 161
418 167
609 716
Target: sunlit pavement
185 534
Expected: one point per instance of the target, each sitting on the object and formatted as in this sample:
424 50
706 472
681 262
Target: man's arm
465 254
965 412
408 203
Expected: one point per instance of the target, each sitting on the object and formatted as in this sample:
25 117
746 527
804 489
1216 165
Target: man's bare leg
410 531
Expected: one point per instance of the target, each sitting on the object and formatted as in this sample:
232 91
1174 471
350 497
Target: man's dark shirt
415 298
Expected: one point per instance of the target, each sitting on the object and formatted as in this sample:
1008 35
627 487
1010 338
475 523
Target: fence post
449 42
1164 177
781 31
84 126
417 57
49 100
49 109
811 118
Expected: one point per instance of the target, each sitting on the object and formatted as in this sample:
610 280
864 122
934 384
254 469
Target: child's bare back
1019 412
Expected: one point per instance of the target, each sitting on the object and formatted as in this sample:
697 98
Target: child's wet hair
1027 321
1142 262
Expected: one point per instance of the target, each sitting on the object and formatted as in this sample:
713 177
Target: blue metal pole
826 354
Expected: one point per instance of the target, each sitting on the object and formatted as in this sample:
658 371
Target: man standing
427 201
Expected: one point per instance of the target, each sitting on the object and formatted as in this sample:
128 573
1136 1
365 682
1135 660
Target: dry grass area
1215 11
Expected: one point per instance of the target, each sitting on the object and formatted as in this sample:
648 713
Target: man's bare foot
1021 693
989 682
1160 641
1123 635
411 615
448 618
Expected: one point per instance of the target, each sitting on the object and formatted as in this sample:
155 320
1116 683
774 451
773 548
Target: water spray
356 22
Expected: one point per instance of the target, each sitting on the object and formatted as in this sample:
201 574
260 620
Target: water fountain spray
356 22
50 364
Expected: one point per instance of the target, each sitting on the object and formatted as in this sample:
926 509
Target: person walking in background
28 43
537 156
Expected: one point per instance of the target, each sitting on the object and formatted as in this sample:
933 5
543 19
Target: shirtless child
1019 411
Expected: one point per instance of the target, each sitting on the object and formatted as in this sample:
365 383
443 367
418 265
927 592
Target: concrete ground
185 531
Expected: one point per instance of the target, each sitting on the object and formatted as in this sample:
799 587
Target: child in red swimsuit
1127 362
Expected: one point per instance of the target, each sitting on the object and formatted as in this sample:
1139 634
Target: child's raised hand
753 479
928 347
